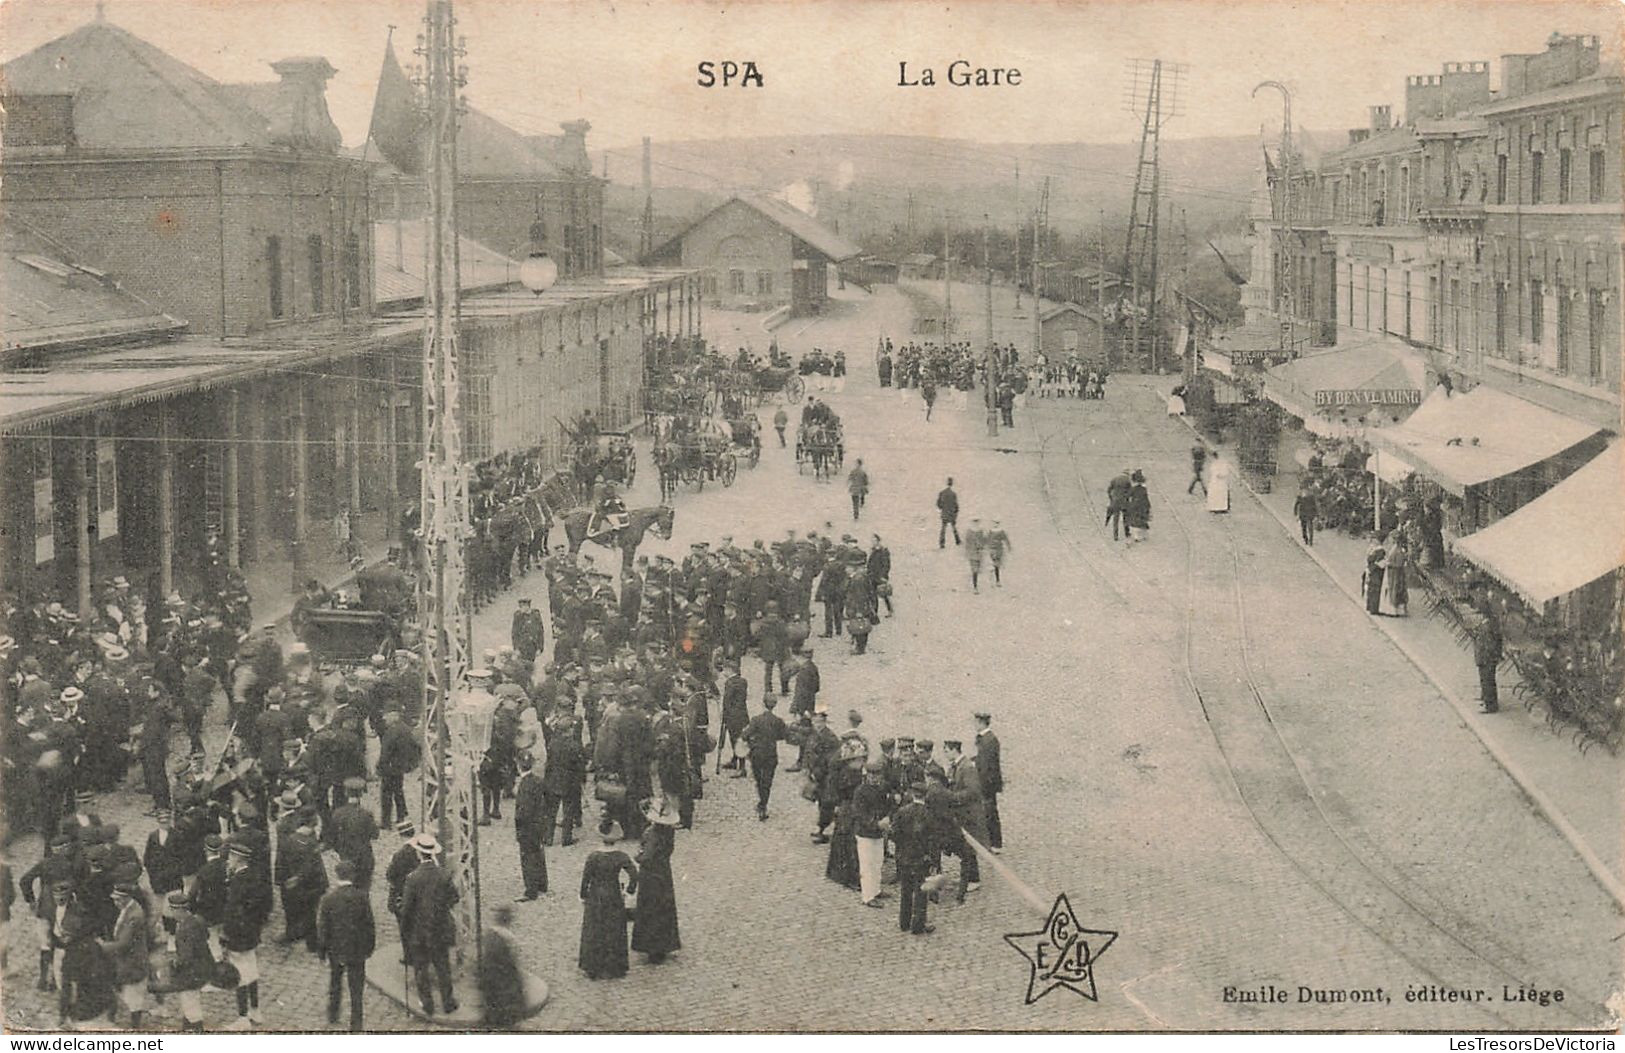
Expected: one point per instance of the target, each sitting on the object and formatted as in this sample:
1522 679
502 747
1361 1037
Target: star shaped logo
1062 953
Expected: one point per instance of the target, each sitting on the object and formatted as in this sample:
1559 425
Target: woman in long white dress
1218 484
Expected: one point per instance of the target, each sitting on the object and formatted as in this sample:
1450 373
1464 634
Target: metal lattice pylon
448 791
1153 93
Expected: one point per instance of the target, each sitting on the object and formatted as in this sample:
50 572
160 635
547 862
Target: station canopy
1561 541
1467 438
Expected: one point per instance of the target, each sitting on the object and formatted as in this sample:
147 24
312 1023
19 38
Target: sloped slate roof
784 215
479 267
129 95
46 301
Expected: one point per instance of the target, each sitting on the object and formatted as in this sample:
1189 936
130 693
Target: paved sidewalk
1582 793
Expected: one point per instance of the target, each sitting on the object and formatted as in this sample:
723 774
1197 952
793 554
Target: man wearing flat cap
248 905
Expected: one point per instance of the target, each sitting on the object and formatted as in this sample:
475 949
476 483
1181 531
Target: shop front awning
1345 386
1561 541
1464 439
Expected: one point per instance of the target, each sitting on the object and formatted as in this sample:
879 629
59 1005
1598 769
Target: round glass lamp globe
538 272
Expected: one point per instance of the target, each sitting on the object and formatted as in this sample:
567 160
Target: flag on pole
397 119
1229 268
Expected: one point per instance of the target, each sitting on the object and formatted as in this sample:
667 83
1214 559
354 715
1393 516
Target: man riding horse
609 513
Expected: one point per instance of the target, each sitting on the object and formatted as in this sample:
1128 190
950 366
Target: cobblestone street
1340 830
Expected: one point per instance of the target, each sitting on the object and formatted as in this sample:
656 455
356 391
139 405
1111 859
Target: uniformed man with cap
401 865
162 856
427 926
763 735
248 905
127 951
912 833
302 877
190 961
871 808
208 895
60 864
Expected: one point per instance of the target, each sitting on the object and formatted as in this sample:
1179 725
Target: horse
627 538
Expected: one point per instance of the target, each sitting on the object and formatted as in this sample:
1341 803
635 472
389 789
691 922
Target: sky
833 65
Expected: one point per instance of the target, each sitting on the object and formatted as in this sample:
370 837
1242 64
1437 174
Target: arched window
1403 213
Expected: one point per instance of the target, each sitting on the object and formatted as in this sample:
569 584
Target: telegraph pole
947 283
646 236
1285 293
448 785
992 400
1016 270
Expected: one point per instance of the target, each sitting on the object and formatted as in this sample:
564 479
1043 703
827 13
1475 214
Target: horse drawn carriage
694 450
820 446
607 455
746 435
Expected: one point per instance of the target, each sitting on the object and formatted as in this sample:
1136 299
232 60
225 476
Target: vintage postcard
833 516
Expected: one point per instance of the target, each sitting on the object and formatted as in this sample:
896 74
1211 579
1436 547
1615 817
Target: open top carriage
695 450
608 456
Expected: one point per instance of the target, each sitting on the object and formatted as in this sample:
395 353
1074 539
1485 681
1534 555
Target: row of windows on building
739 283
1463 313
1370 200
315 275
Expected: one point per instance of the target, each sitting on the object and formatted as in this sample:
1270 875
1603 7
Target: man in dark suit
1305 507
1488 642
948 510
398 754
991 773
354 831
302 877
915 841
529 825
427 926
162 856
763 734
1117 492
808 682
969 813
345 936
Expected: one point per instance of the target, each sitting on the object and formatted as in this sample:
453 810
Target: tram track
1271 781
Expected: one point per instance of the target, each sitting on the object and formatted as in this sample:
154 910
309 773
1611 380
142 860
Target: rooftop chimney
573 151
300 119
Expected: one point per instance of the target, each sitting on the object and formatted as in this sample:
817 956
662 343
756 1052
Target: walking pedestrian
127 950
928 391
975 552
857 484
501 983
1117 491
1198 461
948 513
1137 506
763 735
1305 507
781 420
998 546
345 937
248 905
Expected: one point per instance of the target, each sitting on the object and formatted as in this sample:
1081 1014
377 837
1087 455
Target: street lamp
538 272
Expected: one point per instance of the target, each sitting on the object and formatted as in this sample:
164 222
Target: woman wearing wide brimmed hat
654 930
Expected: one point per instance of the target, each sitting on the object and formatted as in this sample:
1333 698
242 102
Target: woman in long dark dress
654 928
842 867
1372 582
603 916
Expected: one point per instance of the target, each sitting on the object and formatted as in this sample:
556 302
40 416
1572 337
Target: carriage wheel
795 389
755 453
730 469
631 467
